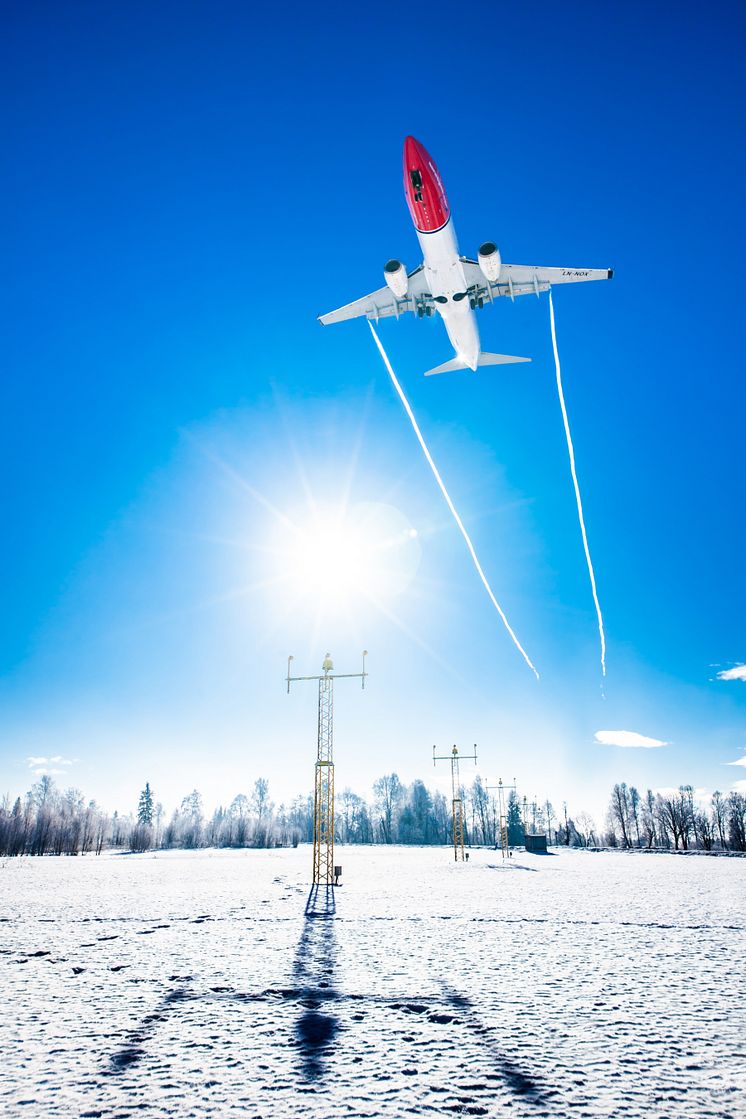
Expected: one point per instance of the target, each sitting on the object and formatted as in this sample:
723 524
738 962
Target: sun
337 556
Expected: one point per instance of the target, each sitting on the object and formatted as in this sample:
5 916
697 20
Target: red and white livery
453 285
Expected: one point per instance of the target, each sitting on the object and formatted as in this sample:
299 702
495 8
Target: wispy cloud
739 787
628 739
44 772
56 760
738 672
740 761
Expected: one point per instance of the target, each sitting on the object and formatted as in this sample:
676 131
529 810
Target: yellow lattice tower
502 814
457 800
323 793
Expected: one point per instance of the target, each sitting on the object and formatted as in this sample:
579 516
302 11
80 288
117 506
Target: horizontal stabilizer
447 367
484 359
500 359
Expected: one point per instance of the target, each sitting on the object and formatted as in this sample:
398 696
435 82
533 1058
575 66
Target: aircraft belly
445 277
443 269
461 326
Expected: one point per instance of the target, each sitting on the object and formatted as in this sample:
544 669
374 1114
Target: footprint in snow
126 1057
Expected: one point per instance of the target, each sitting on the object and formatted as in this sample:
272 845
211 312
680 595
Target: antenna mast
457 800
502 813
323 793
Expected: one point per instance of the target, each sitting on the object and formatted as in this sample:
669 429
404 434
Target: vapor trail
450 504
571 453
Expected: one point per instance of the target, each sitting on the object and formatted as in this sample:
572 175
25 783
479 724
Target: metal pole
323 792
457 804
458 808
503 814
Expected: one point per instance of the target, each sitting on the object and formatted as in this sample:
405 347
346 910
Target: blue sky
186 188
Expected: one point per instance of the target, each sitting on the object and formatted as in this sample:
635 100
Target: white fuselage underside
445 278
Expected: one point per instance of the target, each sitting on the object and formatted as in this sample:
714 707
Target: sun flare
368 550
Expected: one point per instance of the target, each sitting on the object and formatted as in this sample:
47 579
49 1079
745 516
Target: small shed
536 843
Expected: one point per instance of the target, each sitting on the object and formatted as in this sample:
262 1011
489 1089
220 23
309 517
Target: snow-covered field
193 983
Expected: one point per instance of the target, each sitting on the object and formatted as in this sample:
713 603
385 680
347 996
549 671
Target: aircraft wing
526 279
382 303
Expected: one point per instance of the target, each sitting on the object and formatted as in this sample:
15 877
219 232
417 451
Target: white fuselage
445 278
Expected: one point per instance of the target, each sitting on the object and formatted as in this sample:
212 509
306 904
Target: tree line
52 821
675 819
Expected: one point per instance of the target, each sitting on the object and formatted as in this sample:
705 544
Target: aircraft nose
423 188
414 153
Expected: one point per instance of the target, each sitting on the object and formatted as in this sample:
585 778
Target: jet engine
489 261
396 277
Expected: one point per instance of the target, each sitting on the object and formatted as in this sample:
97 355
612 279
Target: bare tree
647 815
674 814
704 831
480 808
300 820
549 816
634 812
620 811
263 807
667 817
720 817
443 819
89 827
239 821
345 814
586 829
45 799
686 813
191 819
388 791
737 821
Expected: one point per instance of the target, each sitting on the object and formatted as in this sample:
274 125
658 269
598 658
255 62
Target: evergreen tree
145 807
516 832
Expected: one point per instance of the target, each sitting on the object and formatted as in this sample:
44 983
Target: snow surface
193 984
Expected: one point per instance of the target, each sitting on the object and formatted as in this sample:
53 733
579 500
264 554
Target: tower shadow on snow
321 901
519 1083
313 972
316 1027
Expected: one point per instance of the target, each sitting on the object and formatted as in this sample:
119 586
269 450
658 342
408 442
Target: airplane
453 285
